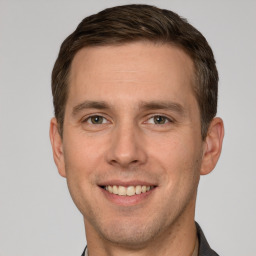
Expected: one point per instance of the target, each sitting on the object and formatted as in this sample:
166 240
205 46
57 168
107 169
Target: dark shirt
204 247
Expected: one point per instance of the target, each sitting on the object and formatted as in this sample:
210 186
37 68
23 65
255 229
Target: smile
128 191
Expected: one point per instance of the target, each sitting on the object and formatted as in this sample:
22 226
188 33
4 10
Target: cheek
82 158
179 157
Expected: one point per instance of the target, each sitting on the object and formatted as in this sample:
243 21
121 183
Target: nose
126 147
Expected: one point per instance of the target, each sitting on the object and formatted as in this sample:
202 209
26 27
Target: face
131 149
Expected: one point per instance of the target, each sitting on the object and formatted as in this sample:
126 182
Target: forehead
140 68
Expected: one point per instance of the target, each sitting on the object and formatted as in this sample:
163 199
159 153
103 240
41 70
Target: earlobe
57 147
213 146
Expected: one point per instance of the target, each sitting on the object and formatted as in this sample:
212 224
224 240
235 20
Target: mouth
127 191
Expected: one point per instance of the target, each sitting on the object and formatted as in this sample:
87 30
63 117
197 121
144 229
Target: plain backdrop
37 215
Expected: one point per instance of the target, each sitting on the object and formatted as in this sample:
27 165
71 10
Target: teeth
115 190
121 191
128 191
143 189
110 189
138 190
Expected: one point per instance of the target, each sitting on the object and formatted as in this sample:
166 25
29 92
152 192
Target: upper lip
126 183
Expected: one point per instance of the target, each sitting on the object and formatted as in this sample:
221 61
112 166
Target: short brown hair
131 23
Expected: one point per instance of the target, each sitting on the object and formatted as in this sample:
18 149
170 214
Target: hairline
195 80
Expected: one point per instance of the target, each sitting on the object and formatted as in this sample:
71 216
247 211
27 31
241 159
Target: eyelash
90 117
166 119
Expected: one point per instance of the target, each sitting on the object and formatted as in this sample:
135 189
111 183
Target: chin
130 233
133 238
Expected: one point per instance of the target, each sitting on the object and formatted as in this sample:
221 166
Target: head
135 96
133 23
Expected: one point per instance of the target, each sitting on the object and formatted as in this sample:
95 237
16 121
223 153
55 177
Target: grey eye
96 119
160 119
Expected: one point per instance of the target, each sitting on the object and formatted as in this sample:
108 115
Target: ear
57 147
213 146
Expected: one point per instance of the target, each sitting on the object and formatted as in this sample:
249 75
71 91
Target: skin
136 82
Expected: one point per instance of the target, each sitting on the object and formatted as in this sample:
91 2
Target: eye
158 119
96 120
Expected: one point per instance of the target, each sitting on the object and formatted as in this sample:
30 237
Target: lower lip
127 200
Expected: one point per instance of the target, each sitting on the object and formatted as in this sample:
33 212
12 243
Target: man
135 97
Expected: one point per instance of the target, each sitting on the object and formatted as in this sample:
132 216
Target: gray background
37 216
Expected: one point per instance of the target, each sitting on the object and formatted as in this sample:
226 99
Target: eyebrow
144 105
89 104
164 105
